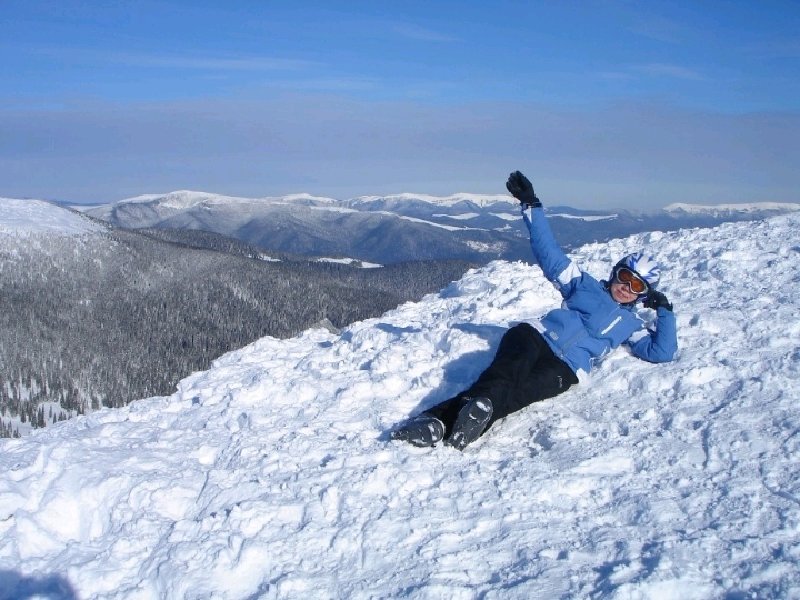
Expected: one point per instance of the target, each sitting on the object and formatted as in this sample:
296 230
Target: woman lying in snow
539 361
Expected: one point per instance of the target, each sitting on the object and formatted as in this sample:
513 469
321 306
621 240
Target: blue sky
601 103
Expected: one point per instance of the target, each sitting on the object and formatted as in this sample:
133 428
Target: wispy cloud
776 48
327 84
415 32
668 70
175 61
247 63
615 75
656 70
660 29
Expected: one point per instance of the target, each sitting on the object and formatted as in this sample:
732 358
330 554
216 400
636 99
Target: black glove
522 190
656 299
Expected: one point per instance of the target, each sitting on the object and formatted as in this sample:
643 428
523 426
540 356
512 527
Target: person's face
622 293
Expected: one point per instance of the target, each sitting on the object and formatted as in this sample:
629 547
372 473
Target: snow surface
461 217
507 216
426 222
25 217
270 474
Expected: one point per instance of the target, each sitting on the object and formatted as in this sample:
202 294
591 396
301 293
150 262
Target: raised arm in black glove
522 190
656 299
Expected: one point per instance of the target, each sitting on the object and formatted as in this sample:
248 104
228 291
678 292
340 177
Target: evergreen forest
100 320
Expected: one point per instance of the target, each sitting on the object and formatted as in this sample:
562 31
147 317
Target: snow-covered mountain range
270 475
389 229
381 230
761 209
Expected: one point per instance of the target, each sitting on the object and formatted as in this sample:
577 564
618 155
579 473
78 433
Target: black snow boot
472 420
422 431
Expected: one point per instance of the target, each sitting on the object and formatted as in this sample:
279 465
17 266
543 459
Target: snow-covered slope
270 475
25 217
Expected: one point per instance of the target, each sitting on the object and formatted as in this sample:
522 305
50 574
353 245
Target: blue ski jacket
590 323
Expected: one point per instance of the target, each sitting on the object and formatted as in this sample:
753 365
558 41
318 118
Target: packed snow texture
271 476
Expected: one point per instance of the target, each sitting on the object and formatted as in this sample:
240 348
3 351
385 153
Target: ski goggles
635 284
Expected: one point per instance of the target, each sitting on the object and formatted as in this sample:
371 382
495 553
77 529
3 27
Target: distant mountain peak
744 208
305 197
187 199
181 199
482 200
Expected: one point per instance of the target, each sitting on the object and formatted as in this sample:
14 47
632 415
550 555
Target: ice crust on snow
270 474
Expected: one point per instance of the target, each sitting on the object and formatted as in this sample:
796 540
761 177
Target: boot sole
423 435
470 424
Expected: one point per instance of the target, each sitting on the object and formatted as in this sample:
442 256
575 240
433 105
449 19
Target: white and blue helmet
644 266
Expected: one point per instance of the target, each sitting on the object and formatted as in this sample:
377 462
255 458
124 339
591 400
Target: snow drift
270 475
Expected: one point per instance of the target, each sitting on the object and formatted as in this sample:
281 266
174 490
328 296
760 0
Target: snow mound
25 217
270 475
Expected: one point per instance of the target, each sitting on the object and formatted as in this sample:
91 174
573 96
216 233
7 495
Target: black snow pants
523 371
